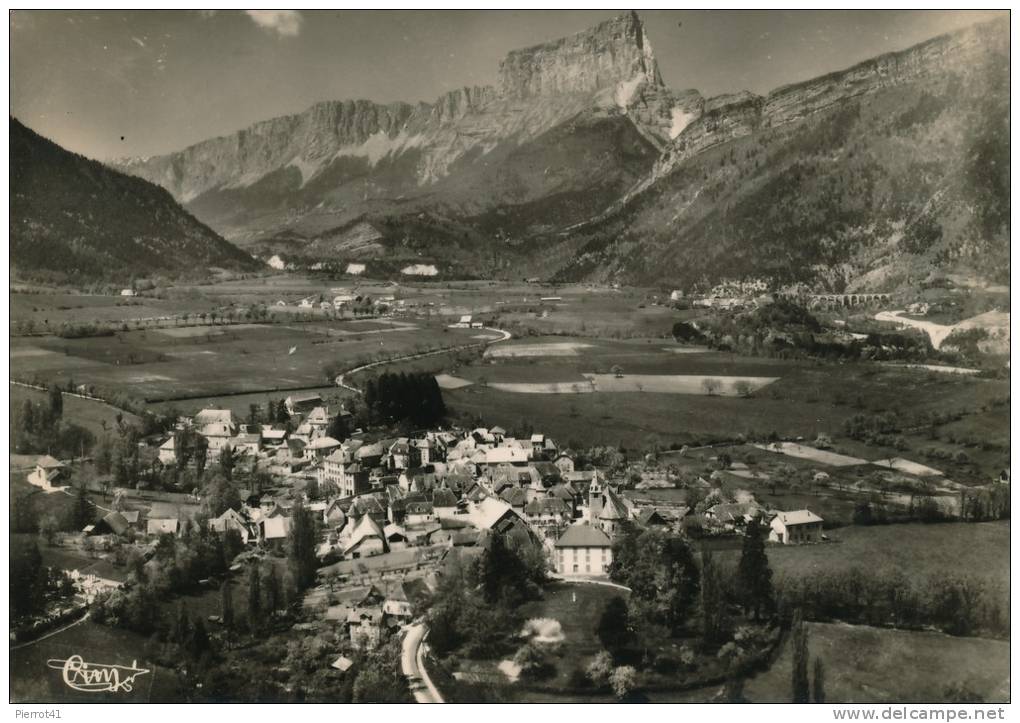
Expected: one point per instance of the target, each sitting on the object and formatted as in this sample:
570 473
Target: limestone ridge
610 68
726 117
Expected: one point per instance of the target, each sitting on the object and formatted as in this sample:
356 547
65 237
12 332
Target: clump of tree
661 572
401 397
956 604
40 428
33 585
474 610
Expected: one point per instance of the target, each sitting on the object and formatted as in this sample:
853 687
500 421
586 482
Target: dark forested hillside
75 220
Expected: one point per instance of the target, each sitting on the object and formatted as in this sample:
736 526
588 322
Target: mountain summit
580 162
615 54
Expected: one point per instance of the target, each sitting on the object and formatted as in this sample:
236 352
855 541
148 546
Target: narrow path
421 355
50 634
412 665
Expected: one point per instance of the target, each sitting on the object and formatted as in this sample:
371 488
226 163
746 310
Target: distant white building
796 527
127 292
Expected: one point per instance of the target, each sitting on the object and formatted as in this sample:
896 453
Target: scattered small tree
711 386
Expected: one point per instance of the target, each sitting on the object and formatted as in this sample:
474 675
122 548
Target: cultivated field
209 361
876 665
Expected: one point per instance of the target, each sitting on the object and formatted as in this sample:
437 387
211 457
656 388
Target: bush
601 668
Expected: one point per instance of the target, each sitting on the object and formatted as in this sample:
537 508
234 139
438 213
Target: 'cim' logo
96 677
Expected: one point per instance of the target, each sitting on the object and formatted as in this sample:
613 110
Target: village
389 512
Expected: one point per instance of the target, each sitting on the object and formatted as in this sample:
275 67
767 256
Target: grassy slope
872 665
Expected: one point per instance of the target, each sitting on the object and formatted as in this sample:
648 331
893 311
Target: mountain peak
612 53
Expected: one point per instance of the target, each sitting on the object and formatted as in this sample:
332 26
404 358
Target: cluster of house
285 449
345 298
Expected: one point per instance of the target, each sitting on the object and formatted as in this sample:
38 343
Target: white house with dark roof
796 527
583 550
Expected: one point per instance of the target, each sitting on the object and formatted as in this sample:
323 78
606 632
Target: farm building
300 403
796 527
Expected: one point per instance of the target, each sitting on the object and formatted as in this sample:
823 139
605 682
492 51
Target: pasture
207 361
94 416
877 665
918 550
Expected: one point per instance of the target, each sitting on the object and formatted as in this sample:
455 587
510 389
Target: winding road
504 336
936 332
413 666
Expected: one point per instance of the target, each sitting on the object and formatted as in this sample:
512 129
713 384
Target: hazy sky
111 83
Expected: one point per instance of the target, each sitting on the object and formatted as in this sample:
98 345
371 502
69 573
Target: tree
254 597
221 495
661 571
801 688
254 415
56 402
754 576
742 387
227 605
600 669
714 618
617 371
711 386
338 428
612 628
81 513
819 681
181 631
273 593
301 544
228 459
48 527
623 681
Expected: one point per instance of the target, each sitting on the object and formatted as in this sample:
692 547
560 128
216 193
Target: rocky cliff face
727 117
608 69
615 54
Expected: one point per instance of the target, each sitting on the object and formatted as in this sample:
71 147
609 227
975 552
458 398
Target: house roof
614 508
323 443
650 516
304 398
343 664
276 528
583 536
506 455
48 462
366 528
116 522
548 505
157 526
487 512
214 416
443 498
514 496
168 445
798 517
